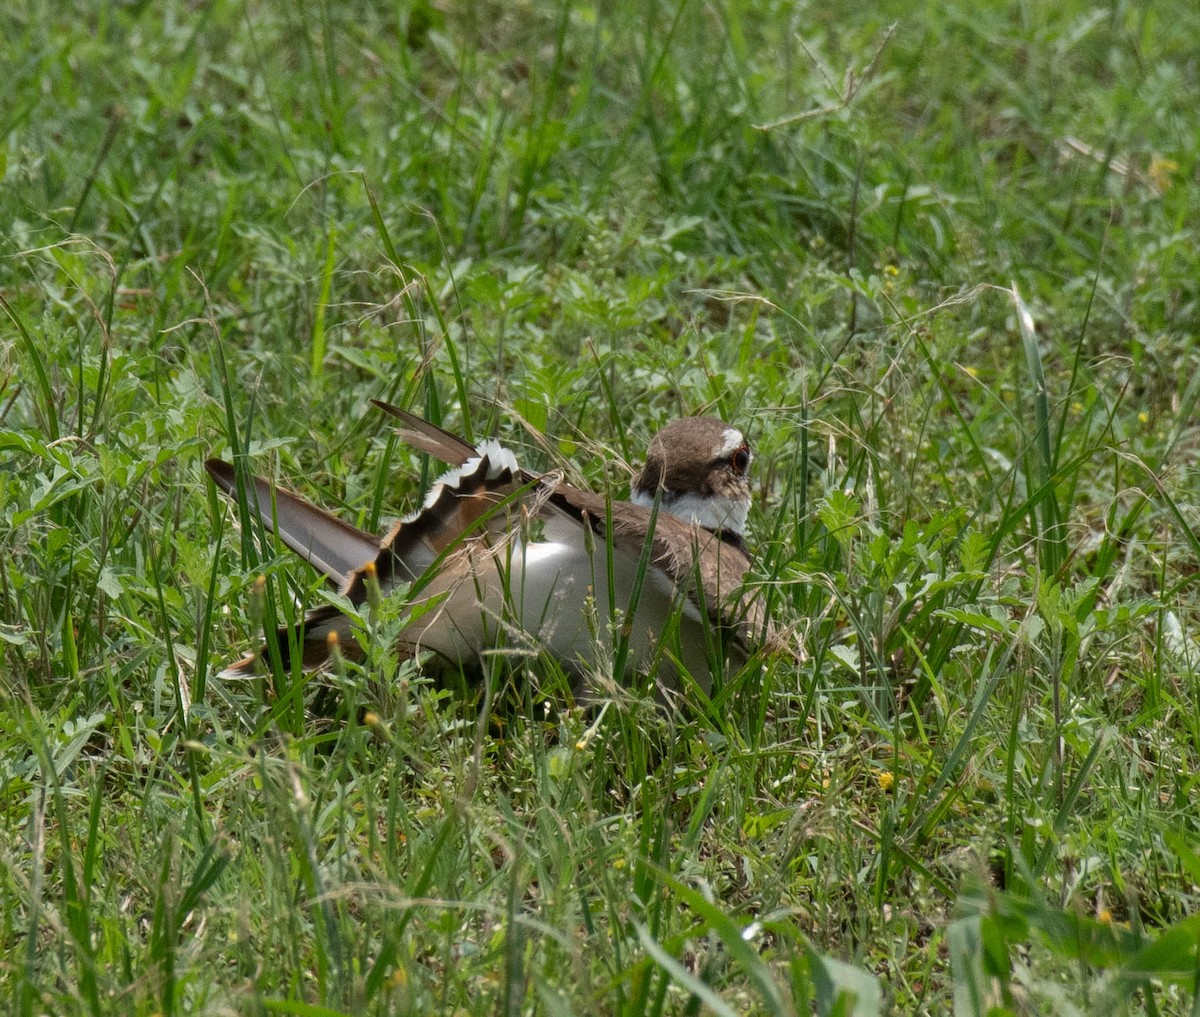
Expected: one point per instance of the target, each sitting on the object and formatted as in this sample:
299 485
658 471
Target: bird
501 559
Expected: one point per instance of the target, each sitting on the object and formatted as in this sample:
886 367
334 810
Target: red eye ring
740 460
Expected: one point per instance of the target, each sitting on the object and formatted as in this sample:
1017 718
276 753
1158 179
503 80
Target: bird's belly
552 596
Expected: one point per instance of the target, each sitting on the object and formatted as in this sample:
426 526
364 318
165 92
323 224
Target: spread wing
469 501
333 547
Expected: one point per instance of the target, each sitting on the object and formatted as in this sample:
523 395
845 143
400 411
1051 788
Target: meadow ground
941 262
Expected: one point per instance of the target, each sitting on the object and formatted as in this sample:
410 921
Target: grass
953 301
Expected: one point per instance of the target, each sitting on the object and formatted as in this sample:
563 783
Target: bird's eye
740 460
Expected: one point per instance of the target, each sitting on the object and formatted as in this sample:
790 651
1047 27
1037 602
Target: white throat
711 512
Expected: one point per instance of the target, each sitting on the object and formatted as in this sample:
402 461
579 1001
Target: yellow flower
1160 172
885 779
371 577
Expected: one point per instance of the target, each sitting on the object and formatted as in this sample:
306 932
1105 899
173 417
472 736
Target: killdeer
503 556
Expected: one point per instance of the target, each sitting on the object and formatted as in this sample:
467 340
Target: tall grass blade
1052 532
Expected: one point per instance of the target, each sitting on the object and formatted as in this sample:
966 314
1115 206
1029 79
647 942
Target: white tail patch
499 459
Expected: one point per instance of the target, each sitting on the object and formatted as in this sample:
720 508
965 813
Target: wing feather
429 438
332 546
